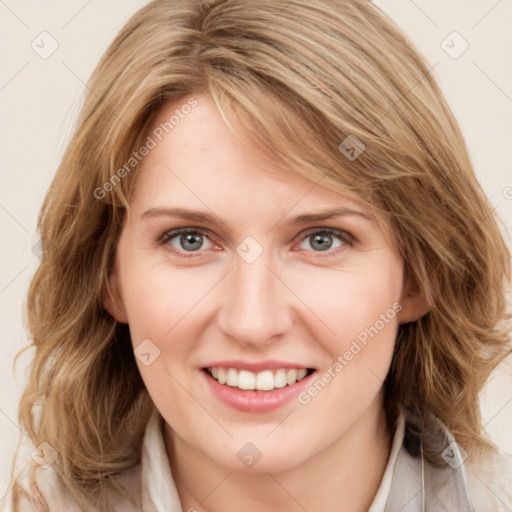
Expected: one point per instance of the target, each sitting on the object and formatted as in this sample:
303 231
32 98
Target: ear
113 298
414 304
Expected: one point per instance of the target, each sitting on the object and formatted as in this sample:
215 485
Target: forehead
195 149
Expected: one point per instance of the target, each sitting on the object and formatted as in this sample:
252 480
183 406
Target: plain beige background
468 42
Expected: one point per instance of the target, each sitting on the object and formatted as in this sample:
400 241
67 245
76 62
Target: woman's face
216 272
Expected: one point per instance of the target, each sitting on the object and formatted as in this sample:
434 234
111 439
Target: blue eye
327 239
187 240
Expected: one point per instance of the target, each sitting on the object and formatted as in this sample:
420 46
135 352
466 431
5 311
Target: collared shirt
408 484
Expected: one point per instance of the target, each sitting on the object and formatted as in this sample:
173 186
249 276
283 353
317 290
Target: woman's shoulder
134 480
481 484
58 498
490 482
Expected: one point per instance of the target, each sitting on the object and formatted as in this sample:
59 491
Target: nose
257 308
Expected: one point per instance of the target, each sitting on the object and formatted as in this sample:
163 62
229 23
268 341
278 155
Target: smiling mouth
266 380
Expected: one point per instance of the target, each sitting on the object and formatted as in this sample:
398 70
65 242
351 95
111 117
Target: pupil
189 237
322 245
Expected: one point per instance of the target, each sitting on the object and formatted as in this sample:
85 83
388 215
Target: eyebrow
207 218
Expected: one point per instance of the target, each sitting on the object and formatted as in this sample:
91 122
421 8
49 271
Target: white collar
381 497
159 493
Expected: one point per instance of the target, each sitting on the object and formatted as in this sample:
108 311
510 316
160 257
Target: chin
262 455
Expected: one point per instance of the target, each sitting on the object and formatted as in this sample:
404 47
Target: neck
344 477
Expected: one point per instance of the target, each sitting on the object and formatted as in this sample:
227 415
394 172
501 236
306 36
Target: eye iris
194 238
320 239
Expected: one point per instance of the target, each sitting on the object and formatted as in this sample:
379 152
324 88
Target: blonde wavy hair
299 76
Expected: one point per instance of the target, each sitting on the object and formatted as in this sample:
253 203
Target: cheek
348 302
167 306
162 307
361 309
156 297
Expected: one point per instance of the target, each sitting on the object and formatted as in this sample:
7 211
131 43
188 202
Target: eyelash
344 236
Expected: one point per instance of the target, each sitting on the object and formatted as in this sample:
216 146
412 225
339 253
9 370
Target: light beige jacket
405 486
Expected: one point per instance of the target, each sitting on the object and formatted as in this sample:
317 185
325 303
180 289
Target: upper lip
255 366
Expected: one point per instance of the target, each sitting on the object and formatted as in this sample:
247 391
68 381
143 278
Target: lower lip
255 400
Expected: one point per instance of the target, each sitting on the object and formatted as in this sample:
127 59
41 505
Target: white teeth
246 380
221 375
266 380
232 377
301 373
291 376
280 379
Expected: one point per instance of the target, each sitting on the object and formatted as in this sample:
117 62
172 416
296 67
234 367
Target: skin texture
294 303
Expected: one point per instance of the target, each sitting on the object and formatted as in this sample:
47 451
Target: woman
321 343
